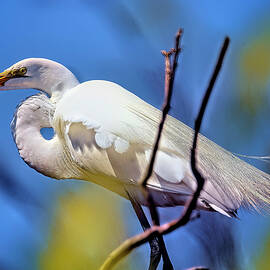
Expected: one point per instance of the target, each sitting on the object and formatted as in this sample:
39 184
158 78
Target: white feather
169 167
122 115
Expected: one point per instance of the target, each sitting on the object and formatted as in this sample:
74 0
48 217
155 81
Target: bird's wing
108 129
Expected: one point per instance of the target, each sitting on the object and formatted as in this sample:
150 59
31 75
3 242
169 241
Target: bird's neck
43 155
58 83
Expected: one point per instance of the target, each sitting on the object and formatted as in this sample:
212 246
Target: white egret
104 134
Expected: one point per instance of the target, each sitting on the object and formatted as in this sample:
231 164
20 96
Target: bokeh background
47 224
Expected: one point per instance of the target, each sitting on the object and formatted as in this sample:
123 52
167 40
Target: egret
104 134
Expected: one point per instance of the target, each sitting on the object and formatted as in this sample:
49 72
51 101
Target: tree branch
168 89
126 247
169 80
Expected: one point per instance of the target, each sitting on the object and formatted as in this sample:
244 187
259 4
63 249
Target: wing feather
111 131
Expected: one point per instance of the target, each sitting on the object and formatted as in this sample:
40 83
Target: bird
105 134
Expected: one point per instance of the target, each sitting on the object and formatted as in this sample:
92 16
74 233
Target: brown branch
198 176
135 241
168 89
169 80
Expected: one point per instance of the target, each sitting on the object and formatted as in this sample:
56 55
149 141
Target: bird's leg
157 244
155 255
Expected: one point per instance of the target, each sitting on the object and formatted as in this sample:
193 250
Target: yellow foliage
255 72
256 59
87 227
263 260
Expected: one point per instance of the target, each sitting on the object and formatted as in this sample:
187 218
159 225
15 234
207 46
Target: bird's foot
156 256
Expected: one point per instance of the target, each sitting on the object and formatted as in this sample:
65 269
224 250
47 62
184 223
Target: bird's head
38 73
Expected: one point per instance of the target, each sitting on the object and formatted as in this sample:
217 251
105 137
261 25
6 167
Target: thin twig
126 247
169 80
198 176
168 89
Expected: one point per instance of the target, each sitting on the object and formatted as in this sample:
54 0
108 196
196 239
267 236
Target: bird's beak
4 76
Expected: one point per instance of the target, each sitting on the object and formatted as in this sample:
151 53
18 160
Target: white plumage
104 134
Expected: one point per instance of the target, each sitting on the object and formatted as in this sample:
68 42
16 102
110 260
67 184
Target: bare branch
169 80
168 89
135 241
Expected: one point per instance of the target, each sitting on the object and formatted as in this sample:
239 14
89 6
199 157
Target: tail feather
239 183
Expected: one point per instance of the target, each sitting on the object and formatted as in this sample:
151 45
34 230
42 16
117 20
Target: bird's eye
22 70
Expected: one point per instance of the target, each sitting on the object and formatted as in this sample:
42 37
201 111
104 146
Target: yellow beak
4 76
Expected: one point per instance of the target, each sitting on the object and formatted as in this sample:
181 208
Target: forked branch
168 89
169 80
126 247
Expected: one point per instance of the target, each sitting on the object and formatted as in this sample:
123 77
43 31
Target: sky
120 41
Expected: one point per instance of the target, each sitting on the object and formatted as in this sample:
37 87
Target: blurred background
47 224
